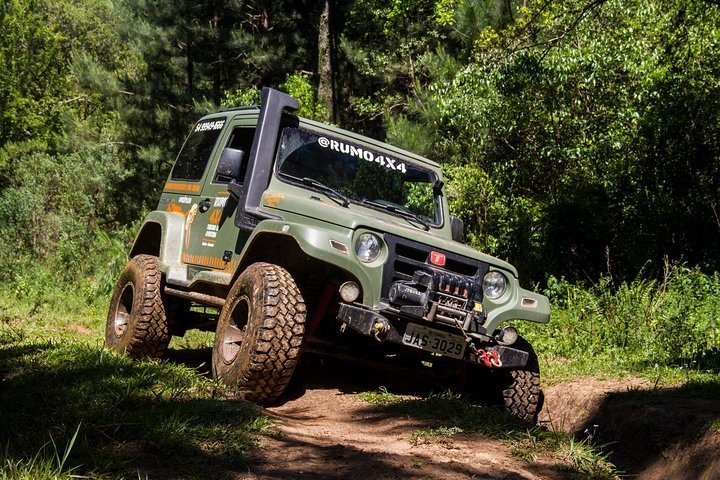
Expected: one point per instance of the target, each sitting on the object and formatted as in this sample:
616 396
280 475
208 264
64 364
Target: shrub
666 322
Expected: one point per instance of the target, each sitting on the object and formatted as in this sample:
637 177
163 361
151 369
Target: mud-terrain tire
136 322
259 333
521 392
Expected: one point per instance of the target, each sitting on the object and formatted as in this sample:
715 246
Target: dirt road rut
334 435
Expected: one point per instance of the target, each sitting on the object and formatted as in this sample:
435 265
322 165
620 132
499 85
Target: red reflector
437 258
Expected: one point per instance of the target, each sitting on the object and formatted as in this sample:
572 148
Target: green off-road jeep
285 235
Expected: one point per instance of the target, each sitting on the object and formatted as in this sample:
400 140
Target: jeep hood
319 208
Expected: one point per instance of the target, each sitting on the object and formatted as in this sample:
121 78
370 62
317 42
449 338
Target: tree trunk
217 78
325 64
190 71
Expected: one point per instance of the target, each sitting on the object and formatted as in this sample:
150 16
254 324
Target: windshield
358 173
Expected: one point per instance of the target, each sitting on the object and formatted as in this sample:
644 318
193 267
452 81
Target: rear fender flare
161 235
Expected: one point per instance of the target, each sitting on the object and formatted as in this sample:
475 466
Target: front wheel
136 322
517 390
259 333
522 395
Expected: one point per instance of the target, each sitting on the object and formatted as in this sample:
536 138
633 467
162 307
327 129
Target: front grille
406 256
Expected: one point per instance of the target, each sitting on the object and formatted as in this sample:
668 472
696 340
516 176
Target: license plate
434 341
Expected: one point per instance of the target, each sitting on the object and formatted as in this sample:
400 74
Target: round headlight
368 247
494 285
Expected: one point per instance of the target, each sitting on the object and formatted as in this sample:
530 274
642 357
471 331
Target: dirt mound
569 406
653 433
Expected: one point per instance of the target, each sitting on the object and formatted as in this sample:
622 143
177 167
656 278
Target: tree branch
581 15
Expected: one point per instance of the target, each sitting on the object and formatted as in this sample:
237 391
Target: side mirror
230 164
457 229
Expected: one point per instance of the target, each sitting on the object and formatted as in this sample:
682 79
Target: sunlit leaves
603 115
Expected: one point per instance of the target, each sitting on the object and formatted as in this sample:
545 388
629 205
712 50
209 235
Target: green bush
673 321
57 233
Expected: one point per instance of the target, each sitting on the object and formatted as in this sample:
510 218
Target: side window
241 138
194 156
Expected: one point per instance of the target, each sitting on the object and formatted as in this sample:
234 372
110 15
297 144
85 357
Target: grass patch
452 414
47 464
439 435
382 397
193 339
120 418
612 366
580 458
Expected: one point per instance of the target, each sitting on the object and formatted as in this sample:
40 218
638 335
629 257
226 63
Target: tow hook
380 329
489 358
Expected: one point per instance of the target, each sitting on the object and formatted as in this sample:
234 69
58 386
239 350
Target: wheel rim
124 309
235 331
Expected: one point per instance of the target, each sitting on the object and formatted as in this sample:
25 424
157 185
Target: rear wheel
259 333
136 322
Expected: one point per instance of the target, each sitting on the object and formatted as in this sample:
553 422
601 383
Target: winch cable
490 359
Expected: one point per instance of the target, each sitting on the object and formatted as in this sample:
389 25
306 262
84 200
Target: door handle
204 205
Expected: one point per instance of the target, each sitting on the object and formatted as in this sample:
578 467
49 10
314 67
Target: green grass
453 414
193 339
47 464
611 366
646 327
450 410
71 408
382 397
439 435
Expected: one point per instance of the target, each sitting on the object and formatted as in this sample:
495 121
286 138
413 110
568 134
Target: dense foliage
580 138
590 133
640 325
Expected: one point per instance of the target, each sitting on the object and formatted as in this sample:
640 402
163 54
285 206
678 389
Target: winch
438 296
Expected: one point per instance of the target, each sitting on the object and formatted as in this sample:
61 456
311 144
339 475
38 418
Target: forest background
580 138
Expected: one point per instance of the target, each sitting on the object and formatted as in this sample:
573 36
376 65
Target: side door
184 187
211 239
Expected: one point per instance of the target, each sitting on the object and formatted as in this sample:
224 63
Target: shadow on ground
303 460
661 433
199 359
133 418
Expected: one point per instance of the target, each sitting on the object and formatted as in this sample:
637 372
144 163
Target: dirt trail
334 435
329 433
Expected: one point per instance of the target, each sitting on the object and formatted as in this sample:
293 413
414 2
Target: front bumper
390 328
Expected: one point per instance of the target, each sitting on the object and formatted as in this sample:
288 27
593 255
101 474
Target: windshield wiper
311 182
399 210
